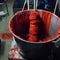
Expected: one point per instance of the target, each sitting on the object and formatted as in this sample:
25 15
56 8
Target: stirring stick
34 4
28 4
55 6
24 5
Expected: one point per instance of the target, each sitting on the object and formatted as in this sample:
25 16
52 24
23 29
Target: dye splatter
6 36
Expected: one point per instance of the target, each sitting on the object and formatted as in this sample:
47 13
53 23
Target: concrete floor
4 28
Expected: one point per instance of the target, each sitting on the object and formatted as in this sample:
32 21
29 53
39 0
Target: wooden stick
34 4
55 6
28 4
24 5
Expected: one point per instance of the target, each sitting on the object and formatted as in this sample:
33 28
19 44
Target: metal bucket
19 26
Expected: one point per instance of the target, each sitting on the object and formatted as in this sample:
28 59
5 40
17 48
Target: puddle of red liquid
6 36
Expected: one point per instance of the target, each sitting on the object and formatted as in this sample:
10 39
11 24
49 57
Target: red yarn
34 25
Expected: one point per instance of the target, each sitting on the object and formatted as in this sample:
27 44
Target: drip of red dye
6 36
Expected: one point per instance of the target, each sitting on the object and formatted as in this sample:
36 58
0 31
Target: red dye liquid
31 27
6 36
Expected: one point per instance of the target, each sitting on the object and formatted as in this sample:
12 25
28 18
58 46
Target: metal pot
18 26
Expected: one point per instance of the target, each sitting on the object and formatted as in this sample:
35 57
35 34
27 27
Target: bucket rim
54 38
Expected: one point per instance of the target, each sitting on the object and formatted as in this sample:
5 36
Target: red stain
6 36
46 17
